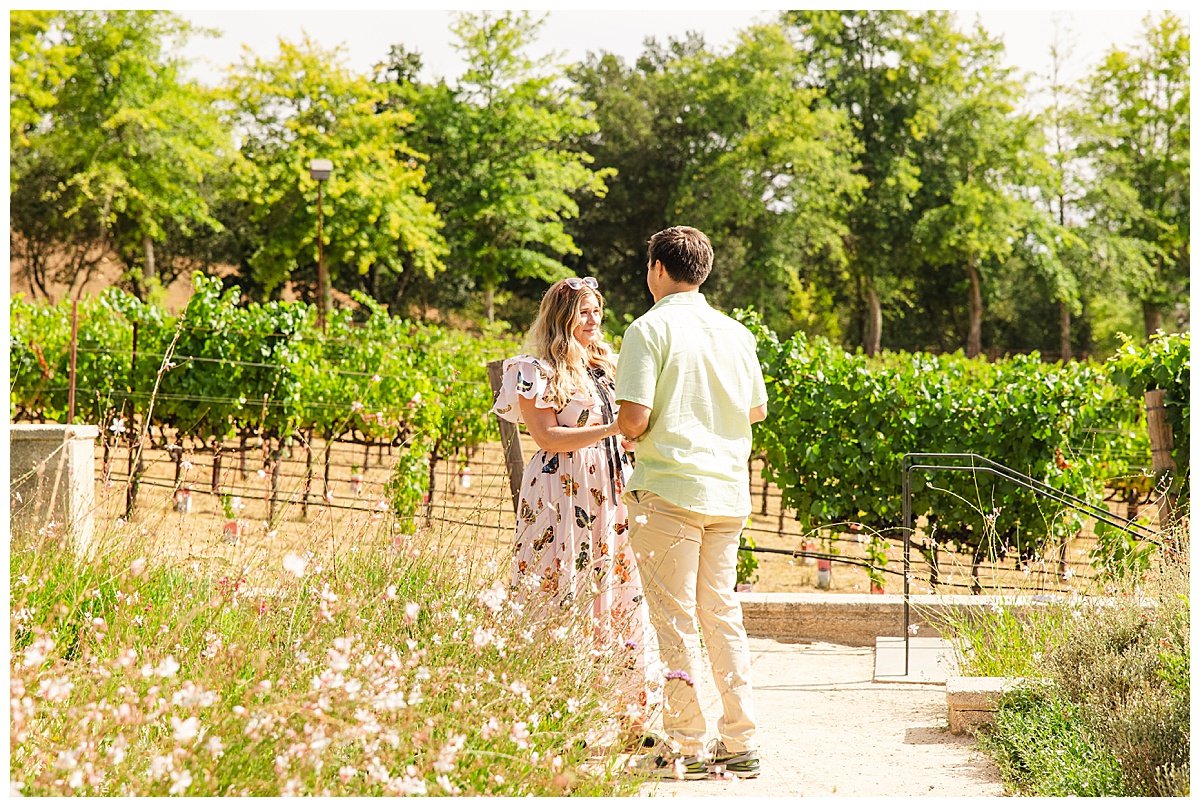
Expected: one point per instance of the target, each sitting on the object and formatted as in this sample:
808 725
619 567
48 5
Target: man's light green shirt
697 370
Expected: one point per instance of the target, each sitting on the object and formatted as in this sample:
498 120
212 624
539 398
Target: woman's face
587 322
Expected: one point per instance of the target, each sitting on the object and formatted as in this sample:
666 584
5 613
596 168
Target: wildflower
185 729
180 781
186 465
356 406
118 749
137 567
117 426
262 474
294 564
346 773
495 596
680 675
482 637
411 611
1068 574
55 689
913 629
408 786
36 653
572 705
520 734
446 756
167 668
490 729
375 379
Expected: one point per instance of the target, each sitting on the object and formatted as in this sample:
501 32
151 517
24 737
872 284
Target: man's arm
633 419
758 413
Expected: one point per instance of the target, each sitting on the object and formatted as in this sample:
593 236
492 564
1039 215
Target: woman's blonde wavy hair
551 340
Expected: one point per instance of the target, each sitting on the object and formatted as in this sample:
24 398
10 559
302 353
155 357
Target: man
690 385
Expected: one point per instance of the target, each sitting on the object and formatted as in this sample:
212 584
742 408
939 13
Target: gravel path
825 729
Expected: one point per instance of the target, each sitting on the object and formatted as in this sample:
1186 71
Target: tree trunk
975 312
148 271
873 326
489 303
1064 332
1152 316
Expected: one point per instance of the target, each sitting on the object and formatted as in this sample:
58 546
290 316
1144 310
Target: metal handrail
1003 472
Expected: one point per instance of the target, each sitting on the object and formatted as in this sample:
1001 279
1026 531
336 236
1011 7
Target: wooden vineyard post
510 436
71 371
308 474
276 462
1162 443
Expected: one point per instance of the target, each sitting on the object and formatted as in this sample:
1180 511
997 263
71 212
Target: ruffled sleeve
524 377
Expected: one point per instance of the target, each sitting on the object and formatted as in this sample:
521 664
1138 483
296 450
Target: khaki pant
688 565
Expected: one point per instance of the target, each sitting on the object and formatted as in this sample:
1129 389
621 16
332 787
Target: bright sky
573 31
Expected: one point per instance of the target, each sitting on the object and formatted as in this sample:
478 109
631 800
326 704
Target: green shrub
1044 747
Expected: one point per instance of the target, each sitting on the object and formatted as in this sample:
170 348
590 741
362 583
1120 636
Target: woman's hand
543 427
628 445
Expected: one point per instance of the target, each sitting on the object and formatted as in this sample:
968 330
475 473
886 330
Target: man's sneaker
742 764
671 766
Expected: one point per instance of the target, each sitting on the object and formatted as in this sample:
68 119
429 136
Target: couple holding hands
645 550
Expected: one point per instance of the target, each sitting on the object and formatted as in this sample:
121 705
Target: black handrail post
906 488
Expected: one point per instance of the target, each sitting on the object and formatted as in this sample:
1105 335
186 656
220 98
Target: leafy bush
1105 708
1163 363
263 369
840 424
1042 745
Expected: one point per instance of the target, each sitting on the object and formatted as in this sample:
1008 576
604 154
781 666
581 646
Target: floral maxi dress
571 546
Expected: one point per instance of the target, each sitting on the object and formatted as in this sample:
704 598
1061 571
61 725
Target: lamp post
320 171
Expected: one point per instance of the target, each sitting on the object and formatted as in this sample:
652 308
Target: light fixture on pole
320 171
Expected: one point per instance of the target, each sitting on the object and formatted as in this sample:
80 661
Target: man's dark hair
685 253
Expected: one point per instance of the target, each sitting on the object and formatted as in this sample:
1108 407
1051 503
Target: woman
572 536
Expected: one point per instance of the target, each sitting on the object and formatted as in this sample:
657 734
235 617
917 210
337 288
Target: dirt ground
472 508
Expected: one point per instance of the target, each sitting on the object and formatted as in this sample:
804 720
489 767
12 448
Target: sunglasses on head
578 283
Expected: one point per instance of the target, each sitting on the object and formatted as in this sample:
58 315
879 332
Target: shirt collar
681 298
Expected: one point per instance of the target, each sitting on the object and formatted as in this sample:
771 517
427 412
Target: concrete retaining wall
52 480
857 619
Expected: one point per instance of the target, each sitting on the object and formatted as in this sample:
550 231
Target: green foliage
1163 363
735 144
258 367
747 561
1104 708
38 67
840 424
1135 135
408 486
122 156
503 165
306 104
1044 748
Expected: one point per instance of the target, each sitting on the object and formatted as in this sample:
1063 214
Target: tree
1136 138
38 65
772 181
122 155
976 169
732 144
304 105
503 168
884 69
